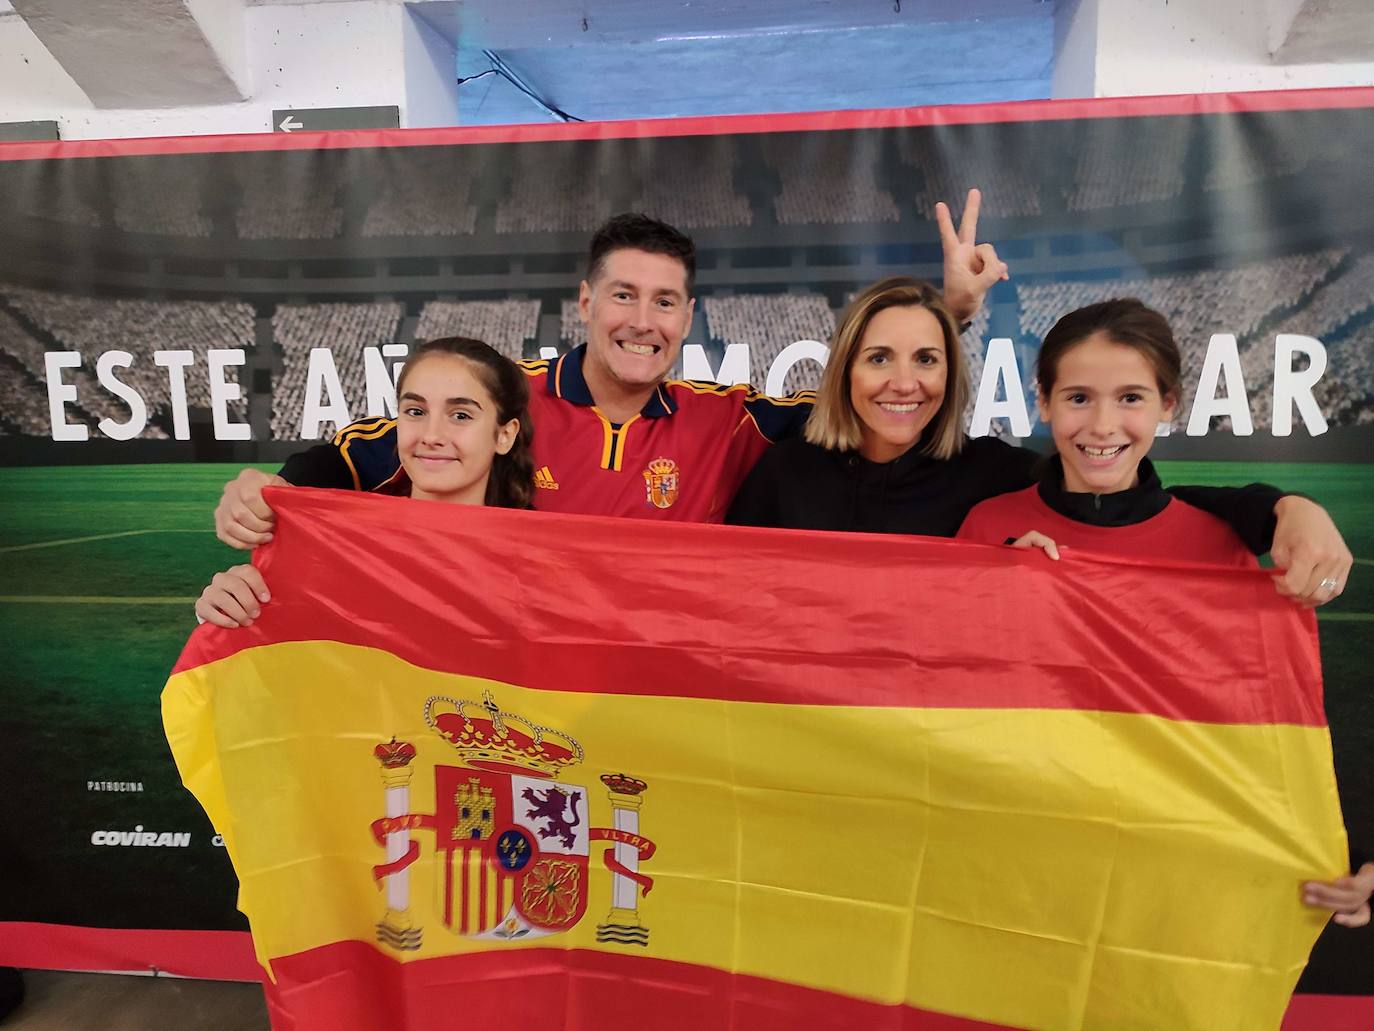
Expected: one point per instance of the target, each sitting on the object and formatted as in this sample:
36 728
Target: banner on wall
716 817
173 309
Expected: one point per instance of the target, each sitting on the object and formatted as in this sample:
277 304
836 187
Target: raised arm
971 268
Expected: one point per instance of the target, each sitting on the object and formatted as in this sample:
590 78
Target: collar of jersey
567 382
1122 508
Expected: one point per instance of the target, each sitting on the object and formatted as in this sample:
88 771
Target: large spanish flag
483 768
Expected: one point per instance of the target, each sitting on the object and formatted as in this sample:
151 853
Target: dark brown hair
642 233
511 483
1123 320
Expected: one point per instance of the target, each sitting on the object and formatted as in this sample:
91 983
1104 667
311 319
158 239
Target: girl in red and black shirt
1109 375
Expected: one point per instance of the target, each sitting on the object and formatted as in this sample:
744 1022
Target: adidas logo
543 479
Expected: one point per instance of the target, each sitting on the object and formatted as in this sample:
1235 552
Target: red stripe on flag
464 926
581 990
935 623
349 985
482 901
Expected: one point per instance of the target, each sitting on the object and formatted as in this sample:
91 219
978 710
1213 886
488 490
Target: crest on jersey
661 482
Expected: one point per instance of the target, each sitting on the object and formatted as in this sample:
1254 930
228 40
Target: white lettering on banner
222 392
381 384
320 372
138 411
325 400
139 838
217 841
734 365
801 351
1000 368
61 394
1222 356
175 363
114 785
1295 388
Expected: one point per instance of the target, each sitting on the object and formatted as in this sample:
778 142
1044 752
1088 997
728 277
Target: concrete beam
1329 31
146 53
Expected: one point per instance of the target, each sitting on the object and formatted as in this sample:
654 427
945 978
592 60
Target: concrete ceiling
1328 31
598 59
145 53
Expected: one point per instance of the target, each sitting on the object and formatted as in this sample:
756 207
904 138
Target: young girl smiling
462 435
1109 375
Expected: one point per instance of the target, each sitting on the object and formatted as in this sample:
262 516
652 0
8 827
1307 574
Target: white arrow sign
289 122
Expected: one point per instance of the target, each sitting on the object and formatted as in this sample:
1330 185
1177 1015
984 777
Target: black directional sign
11 132
316 119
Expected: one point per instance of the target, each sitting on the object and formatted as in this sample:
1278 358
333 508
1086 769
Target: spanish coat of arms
513 844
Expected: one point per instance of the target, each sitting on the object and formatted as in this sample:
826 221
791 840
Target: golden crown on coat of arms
662 467
488 738
394 754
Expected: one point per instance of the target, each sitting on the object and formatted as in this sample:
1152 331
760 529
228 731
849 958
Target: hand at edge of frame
1311 552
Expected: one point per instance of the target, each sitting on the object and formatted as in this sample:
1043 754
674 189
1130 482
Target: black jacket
801 486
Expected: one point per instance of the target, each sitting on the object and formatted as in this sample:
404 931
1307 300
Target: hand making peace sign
970 267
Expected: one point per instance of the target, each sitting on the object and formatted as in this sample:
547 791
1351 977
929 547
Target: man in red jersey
613 435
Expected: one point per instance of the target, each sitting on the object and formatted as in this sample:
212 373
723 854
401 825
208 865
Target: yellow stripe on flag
1032 867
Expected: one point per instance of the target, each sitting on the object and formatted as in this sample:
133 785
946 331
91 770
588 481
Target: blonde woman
885 450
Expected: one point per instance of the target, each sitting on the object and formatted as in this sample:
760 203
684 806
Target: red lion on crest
550 808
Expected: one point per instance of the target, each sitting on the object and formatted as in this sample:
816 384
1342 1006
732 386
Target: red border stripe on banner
714 125
215 955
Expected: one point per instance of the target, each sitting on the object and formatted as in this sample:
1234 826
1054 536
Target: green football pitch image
99 569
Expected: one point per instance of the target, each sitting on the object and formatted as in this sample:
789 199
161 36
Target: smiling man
612 434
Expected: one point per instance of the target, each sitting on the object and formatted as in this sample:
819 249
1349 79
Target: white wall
333 55
1146 47
431 73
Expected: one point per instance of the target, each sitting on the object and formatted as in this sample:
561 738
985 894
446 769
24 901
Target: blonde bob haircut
834 425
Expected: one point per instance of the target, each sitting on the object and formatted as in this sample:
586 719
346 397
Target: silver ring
1329 584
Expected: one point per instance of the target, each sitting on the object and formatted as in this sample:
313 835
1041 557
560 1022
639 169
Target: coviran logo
139 838
513 844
